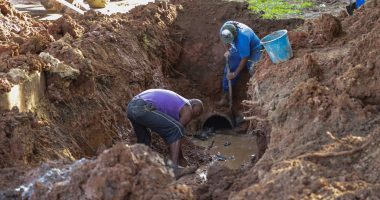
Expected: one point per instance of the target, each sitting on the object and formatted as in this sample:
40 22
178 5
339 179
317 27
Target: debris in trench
211 145
239 120
228 143
201 136
205 133
253 158
220 157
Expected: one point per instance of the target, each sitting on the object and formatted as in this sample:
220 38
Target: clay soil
316 116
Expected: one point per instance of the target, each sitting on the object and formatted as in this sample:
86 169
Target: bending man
166 113
243 50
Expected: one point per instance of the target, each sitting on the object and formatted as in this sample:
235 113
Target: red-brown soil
316 114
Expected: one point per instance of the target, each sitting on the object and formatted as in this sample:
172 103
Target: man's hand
231 75
227 54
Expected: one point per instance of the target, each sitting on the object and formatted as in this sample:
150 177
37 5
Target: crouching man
166 113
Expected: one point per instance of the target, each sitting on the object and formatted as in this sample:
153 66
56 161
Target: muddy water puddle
230 148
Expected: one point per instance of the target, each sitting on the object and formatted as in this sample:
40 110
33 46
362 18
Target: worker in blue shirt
243 50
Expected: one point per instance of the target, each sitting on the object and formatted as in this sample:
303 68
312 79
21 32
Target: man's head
197 107
228 33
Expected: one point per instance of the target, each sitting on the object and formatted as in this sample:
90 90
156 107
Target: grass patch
272 9
306 4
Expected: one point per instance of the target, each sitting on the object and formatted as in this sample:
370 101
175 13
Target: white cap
226 36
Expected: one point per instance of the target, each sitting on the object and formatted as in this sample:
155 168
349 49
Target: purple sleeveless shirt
165 101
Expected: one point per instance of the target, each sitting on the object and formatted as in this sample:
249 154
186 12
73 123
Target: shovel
230 93
229 85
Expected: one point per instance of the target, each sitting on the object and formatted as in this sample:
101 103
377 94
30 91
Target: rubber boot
223 100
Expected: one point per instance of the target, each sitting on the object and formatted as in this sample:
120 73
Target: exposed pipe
223 116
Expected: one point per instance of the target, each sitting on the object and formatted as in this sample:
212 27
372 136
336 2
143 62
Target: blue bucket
278 46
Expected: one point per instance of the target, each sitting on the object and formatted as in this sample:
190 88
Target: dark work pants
143 116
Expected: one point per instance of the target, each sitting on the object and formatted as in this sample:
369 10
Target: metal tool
230 93
229 85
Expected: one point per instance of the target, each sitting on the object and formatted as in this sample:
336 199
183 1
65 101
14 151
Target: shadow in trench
218 122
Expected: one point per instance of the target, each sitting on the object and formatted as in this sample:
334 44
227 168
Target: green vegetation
306 4
276 8
146 40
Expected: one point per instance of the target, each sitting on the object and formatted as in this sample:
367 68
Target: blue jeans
143 116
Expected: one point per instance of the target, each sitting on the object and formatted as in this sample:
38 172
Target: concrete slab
26 95
36 10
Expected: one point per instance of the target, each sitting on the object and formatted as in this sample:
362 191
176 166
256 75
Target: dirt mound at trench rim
122 172
323 108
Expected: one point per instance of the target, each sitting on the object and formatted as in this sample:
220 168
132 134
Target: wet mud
231 149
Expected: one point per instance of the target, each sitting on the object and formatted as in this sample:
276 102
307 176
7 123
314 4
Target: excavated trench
87 59
201 62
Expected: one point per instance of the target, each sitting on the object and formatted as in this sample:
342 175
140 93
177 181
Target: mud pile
322 108
122 172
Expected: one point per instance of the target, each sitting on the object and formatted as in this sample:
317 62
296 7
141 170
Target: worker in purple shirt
166 113
243 50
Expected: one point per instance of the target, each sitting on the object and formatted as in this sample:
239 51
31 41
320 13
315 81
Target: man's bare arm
242 64
186 115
